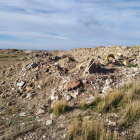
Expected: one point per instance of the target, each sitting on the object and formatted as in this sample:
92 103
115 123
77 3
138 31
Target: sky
68 24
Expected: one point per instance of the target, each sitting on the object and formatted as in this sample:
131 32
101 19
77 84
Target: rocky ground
31 82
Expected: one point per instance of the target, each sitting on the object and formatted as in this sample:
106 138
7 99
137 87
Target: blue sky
68 24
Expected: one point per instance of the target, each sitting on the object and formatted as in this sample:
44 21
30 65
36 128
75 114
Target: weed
32 119
124 123
2 56
132 111
59 129
14 56
89 129
88 113
60 107
50 111
83 105
11 122
84 90
96 100
110 101
129 66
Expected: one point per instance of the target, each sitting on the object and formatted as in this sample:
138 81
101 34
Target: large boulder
91 67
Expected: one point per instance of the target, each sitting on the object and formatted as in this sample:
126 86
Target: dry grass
89 129
60 107
110 101
96 99
132 111
83 105
128 96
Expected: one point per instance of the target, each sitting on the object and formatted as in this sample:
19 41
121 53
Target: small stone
111 123
99 115
22 114
40 111
123 133
108 82
90 97
9 104
30 95
106 89
74 95
20 84
68 97
49 122
57 97
44 136
2 82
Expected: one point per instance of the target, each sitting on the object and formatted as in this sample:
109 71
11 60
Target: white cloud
76 23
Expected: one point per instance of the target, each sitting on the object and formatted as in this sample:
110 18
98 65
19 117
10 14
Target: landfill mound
42 91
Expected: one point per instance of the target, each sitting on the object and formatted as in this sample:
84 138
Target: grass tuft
110 101
60 107
89 129
132 111
83 105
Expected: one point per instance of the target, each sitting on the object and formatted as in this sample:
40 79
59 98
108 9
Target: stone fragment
68 97
20 84
89 99
22 114
126 62
108 82
31 65
57 97
9 104
53 97
91 67
30 95
40 111
2 82
106 89
74 95
73 83
111 123
49 122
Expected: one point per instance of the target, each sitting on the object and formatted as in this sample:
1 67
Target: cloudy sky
68 24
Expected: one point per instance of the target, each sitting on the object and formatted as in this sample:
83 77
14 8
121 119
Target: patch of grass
84 90
11 122
13 56
50 111
96 100
88 113
124 123
2 56
128 96
129 66
17 59
83 106
87 129
59 129
32 119
60 107
110 101
132 111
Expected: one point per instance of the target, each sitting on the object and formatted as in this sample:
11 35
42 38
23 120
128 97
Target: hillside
79 94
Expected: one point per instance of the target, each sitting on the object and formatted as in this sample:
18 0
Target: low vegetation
60 107
88 129
110 101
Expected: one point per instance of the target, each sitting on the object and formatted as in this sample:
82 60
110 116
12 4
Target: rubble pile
33 84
